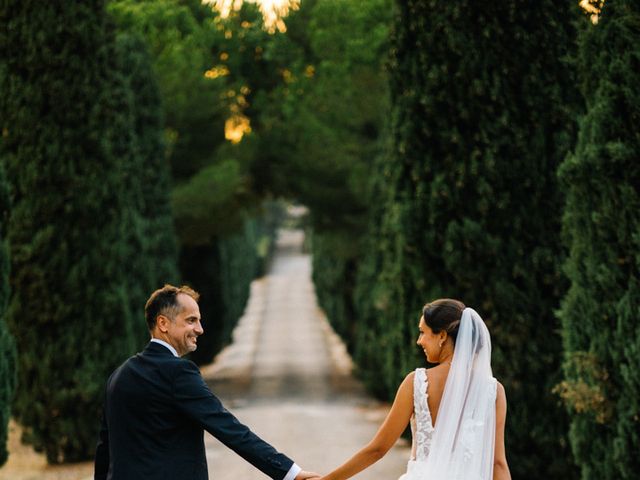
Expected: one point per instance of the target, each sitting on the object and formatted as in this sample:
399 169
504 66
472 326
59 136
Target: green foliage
68 271
222 272
180 36
335 263
601 226
319 132
151 242
7 347
332 109
482 116
209 193
81 244
120 138
240 265
193 55
212 197
186 40
153 169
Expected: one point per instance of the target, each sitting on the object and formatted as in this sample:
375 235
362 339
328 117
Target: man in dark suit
157 407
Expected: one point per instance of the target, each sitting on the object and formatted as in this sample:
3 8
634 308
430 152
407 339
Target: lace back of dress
423 429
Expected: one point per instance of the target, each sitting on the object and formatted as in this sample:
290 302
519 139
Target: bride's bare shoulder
408 381
405 390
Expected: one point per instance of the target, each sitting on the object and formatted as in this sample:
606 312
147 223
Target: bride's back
437 378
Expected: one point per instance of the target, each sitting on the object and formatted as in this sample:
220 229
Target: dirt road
288 377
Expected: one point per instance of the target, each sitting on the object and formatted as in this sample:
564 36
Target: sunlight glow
236 127
217 71
310 71
273 14
593 7
238 124
273 11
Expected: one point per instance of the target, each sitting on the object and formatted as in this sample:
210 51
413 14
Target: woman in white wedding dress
457 410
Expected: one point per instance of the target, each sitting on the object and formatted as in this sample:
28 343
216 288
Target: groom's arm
196 401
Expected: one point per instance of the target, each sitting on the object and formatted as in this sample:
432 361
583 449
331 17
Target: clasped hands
304 475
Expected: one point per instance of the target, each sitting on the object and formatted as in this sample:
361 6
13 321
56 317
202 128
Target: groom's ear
162 323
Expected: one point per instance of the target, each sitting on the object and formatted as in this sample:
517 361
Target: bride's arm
500 466
387 435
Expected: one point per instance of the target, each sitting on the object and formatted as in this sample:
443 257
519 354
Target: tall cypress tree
152 241
482 117
600 313
154 174
70 304
121 137
7 348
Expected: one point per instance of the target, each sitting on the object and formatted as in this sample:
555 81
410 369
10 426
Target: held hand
304 475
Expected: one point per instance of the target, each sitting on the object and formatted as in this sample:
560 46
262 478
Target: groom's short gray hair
164 301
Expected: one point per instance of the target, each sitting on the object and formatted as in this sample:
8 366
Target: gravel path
288 376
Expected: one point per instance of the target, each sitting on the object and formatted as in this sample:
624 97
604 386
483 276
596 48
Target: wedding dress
461 445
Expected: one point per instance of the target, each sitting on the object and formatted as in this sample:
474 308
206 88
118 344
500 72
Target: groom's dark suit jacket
156 410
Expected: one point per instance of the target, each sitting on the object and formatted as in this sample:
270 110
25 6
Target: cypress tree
63 110
222 272
200 268
121 136
152 243
7 348
155 172
601 329
482 116
334 257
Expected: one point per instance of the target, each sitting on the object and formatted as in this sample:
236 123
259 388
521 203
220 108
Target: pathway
288 377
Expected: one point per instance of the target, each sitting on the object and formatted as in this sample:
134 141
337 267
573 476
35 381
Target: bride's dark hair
444 314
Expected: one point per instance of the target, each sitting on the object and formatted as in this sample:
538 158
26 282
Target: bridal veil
464 437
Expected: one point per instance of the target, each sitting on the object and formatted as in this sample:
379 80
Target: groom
157 407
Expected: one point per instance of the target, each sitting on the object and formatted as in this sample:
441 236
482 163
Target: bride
457 410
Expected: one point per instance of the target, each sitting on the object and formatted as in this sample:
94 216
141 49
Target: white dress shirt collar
170 347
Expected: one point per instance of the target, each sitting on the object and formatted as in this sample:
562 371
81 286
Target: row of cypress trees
494 175
90 230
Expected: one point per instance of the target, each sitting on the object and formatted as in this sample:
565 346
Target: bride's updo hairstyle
444 314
